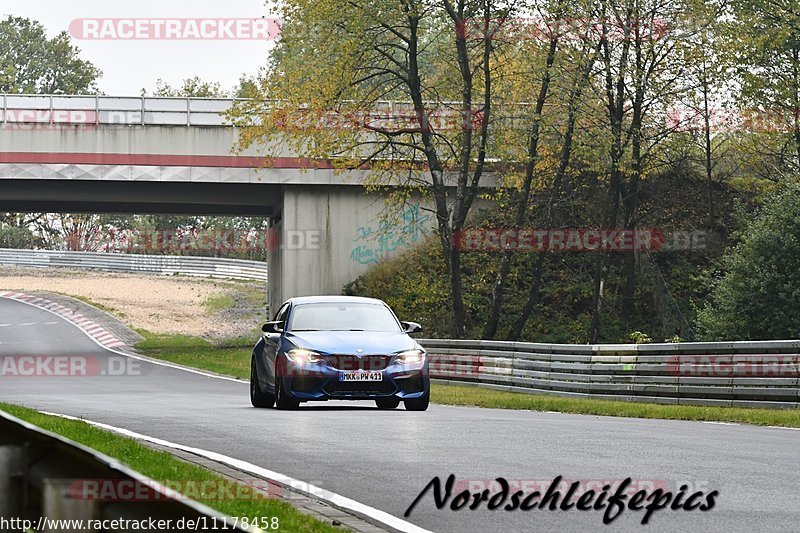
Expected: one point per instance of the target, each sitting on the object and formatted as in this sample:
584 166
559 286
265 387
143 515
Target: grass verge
165 468
230 357
233 359
219 302
482 397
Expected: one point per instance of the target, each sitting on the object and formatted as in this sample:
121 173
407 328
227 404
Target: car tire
387 403
258 398
418 404
282 401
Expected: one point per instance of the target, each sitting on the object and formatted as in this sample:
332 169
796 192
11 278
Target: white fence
212 267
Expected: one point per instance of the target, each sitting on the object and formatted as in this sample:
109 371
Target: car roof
332 298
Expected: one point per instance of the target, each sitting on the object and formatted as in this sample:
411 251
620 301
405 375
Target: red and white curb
92 329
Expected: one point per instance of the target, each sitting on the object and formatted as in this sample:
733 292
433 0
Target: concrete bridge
103 154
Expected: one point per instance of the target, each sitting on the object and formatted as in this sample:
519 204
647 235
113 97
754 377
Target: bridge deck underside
76 196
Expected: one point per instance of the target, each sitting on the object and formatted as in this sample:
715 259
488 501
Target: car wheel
258 398
419 404
387 403
282 401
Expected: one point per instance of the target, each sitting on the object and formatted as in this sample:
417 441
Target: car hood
349 342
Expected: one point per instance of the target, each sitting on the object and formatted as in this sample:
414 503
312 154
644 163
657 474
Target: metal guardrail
95 110
741 374
213 267
41 474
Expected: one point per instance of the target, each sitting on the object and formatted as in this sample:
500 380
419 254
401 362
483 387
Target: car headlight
410 357
301 356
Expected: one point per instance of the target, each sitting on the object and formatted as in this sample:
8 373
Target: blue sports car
339 347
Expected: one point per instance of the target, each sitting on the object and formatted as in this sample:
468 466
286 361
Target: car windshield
343 316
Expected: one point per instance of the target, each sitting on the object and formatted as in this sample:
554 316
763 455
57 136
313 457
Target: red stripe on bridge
164 160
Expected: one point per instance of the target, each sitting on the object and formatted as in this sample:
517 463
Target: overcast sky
130 65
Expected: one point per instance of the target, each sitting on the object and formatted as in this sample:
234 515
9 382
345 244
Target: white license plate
360 375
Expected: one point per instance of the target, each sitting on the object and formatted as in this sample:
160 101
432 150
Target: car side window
282 312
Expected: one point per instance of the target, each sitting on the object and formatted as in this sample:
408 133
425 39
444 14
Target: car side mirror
411 327
275 326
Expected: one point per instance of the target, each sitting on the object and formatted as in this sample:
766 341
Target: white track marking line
335 500
745 425
132 356
88 326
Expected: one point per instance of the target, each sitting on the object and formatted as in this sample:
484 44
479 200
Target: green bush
414 284
756 294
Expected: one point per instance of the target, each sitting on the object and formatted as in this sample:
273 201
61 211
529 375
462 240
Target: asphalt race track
385 458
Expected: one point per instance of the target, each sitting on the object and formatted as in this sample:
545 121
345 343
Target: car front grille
347 388
353 362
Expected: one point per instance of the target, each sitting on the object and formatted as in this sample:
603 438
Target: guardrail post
58 504
11 480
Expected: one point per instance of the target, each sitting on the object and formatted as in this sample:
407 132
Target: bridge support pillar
329 235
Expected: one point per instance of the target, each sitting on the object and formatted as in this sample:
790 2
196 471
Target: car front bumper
321 381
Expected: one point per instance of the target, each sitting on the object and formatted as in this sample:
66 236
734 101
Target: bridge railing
46 478
77 110
94 110
213 267
743 374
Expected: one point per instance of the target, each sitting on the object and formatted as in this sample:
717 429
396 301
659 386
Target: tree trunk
563 163
709 167
631 200
521 208
615 101
533 298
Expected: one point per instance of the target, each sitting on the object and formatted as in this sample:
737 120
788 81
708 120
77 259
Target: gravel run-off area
159 304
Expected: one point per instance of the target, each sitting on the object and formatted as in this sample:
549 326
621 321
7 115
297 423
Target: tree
764 38
192 87
30 62
247 87
575 51
642 45
338 60
708 73
757 294
13 236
